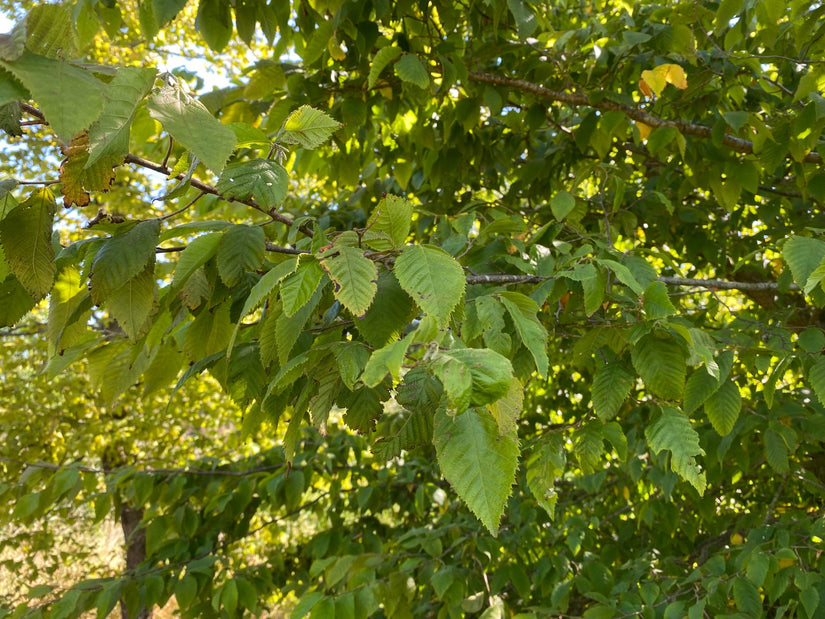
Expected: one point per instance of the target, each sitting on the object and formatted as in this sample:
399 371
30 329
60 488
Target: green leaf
624 275
109 136
13 43
526 22
15 301
393 217
410 69
803 255
507 409
809 596
562 204
480 464
318 41
214 22
185 591
546 462
288 328
68 296
588 445
383 57
26 237
189 122
533 335
264 179
776 451
199 251
309 127
241 249
722 408
70 98
672 431
661 364
656 302
49 31
122 257
747 597
386 359
355 278
134 303
491 373
414 430
390 312
816 378
611 384
299 287
700 386
432 278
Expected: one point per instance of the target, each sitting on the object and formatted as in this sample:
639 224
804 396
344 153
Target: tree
519 304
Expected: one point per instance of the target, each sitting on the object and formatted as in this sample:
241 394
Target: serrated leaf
109 136
199 251
13 43
722 408
241 249
523 310
26 234
264 179
49 31
15 301
309 127
507 410
776 451
134 302
410 69
288 328
588 446
593 288
661 364
803 255
816 378
390 312
700 386
672 431
413 429
68 294
299 287
432 278
392 216
122 257
70 98
386 360
355 277
545 463
611 384
480 464
209 333
490 373
382 58
747 597
623 274
656 302
189 122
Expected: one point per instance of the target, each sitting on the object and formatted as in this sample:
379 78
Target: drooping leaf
214 22
355 277
546 462
803 255
624 274
134 302
241 249
432 278
122 257
15 301
414 429
318 41
526 21
480 464
816 378
523 310
722 408
382 58
78 178
776 451
190 123
386 360
70 98
13 43
699 387
656 302
67 296
288 328
661 364
672 431
109 136
297 289
410 69
309 127
611 385
26 237
264 179
507 410
388 315
197 253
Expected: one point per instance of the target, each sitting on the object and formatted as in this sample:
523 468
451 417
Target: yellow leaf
644 130
335 49
659 77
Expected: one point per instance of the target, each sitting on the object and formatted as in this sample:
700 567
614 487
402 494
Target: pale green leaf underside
478 462
386 360
432 278
355 278
672 431
309 127
392 216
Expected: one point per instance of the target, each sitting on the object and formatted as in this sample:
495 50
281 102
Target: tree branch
577 99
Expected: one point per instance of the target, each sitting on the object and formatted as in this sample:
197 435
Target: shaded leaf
722 408
122 257
26 237
672 431
661 364
432 278
382 58
611 384
241 249
355 278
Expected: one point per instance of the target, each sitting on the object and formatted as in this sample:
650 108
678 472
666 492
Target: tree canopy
427 308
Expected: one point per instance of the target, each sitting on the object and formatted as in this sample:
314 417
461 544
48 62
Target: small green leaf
611 384
382 58
657 302
747 597
722 408
672 431
432 278
299 287
526 21
214 22
264 179
384 360
355 278
816 378
122 257
309 127
392 216
546 462
624 275
199 251
410 69
776 451
478 462
190 123
562 204
507 409
241 249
